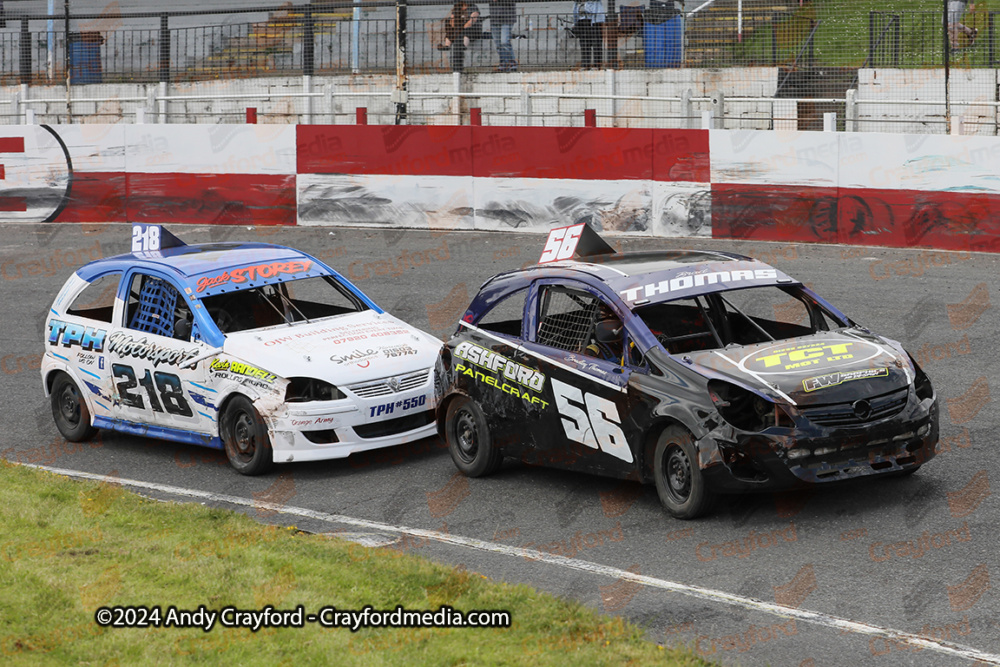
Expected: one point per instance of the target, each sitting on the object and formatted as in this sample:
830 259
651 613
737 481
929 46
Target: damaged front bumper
781 458
320 430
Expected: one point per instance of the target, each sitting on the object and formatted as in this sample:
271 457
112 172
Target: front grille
390 385
842 414
394 426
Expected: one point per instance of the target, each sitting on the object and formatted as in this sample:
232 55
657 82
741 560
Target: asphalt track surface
915 555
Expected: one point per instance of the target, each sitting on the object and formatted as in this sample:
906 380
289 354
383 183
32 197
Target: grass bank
69 548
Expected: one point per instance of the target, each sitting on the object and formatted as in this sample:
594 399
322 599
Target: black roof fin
592 245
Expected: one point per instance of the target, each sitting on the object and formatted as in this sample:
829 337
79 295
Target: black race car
702 372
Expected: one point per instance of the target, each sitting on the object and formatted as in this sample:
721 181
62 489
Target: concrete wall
934 191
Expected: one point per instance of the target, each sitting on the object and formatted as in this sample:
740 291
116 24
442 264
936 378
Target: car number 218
167 385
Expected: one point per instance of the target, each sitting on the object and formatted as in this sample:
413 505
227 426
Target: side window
504 317
566 318
156 307
97 300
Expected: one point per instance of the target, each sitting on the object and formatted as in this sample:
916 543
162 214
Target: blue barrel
85 57
662 42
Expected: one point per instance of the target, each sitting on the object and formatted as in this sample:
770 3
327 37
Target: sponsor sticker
834 379
360 357
242 369
814 355
69 334
251 273
124 345
506 369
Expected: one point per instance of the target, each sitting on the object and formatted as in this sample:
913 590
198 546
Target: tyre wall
866 189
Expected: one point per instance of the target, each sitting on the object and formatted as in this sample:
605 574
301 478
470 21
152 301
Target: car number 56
591 420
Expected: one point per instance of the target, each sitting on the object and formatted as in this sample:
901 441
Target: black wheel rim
244 440
69 405
677 469
466 435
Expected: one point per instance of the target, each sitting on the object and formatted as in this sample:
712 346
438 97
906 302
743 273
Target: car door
149 354
489 367
597 416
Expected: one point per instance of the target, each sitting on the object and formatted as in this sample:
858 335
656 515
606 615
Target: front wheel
69 410
679 481
244 436
469 441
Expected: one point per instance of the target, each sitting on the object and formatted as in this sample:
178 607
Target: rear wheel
469 439
679 481
69 410
244 436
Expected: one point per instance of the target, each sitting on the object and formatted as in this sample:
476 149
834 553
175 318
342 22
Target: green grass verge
842 39
70 547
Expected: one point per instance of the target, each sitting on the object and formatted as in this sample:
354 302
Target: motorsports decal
682 283
507 369
225 366
804 357
251 273
833 379
124 345
88 338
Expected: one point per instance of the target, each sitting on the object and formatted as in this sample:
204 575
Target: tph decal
88 338
402 405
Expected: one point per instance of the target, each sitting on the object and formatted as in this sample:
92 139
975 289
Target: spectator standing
459 25
956 9
503 16
588 25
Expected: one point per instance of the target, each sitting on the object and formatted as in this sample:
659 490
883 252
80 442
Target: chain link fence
751 64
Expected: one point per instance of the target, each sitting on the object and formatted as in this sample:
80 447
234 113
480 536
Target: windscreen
288 302
736 317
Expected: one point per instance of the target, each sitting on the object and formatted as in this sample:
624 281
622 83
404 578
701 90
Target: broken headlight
302 390
746 410
921 383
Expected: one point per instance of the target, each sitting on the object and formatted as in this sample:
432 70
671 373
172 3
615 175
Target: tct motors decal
88 338
807 357
506 369
833 379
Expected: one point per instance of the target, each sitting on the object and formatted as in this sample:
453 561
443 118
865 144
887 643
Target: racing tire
245 439
679 482
69 410
469 440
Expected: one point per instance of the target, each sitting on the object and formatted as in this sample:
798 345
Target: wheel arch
650 440
441 411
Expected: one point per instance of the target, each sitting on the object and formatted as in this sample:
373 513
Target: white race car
257 349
